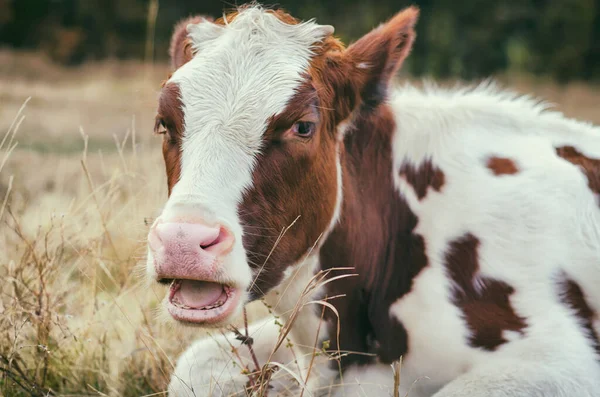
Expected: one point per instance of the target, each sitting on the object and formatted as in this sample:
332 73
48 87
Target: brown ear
376 57
180 50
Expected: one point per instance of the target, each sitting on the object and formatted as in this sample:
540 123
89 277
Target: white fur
531 226
209 368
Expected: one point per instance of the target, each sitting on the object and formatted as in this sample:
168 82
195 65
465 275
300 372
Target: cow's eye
304 129
160 127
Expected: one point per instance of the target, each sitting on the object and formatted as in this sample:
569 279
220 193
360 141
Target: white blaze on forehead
243 73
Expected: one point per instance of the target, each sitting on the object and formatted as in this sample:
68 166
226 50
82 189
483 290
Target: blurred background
102 60
467 38
82 176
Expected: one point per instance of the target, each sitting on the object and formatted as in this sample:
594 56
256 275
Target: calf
456 229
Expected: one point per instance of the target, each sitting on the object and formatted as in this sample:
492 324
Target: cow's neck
374 236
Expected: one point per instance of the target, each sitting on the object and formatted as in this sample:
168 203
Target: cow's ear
181 49
376 57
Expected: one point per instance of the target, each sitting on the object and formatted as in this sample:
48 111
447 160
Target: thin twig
251 381
312 358
396 368
250 342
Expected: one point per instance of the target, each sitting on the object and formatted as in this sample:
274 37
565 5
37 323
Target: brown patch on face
376 236
590 167
502 166
573 297
485 302
170 116
424 176
294 182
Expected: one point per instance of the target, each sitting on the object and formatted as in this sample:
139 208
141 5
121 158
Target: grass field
81 176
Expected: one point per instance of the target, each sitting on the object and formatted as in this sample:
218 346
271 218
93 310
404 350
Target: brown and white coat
468 219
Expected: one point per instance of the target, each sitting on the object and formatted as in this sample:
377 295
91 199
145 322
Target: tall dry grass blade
97 391
396 367
6 195
297 271
12 125
307 292
271 252
85 138
120 146
249 343
7 155
98 209
150 30
312 359
134 140
160 393
296 377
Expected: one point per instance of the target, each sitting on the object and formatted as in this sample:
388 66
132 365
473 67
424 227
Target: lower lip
212 317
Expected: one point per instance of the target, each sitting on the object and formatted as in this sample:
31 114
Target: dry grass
76 318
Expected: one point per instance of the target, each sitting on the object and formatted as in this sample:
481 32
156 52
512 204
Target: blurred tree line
456 38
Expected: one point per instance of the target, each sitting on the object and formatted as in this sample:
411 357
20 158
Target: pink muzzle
190 254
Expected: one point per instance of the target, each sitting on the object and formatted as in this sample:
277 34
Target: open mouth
201 302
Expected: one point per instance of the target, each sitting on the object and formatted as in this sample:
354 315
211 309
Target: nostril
209 243
174 237
220 244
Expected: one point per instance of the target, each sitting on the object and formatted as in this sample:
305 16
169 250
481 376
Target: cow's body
458 230
472 230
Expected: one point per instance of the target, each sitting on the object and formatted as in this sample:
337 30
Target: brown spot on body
485 302
502 166
424 176
590 167
574 298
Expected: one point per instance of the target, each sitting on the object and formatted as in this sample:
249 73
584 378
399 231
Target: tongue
200 294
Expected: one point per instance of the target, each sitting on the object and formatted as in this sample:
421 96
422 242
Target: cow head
252 120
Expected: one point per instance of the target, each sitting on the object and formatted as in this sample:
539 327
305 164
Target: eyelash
159 127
